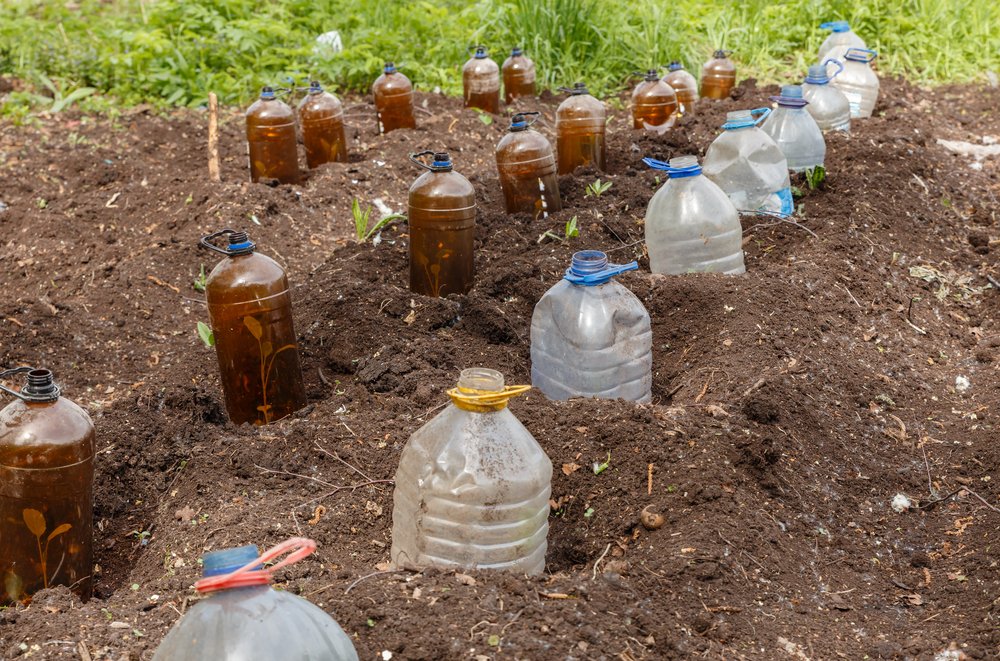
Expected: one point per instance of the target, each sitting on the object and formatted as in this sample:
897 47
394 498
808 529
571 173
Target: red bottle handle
249 574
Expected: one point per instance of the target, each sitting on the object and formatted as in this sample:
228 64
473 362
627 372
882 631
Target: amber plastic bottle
481 81
684 86
718 76
527 169
580 131
271 139
442 218
518 76
654 104
321 117
250 310
46 491
393 94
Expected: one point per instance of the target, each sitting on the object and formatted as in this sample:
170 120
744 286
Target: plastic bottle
527 169
481 82
244 618
858 82
46 491
691 225
747 164
393 95
442 219
271 138
581 123
250 309
827 104
321 117
590 336
654 104
838 41
718 76
473 485
518 76
795 131
684 86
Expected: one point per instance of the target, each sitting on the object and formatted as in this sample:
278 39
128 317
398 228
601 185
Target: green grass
173 52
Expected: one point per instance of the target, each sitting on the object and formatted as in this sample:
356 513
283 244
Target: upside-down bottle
271 139
840 39
527 169
442 220
518 76
827 104
481 82
393 95
321 117
718 76
250 310
684 85
46 491
473 485
581 124
858 82
795 131
654 104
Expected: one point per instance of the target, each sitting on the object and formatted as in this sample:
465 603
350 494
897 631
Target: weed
361 220
206 334
815 177
485 117
200 282
597 188
600 467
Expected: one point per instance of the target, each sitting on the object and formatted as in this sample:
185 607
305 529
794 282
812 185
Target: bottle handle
763 112
868 56
206 241
839 65
252 573
535 114
689 171
414 158
11 372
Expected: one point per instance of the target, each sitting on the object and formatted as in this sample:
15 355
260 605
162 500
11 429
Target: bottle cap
516 51
239 243
652 75
675 66
817 75
441 162
480 53
790 97
267 93
241 567
315 87
836 26
721 54
578 89
227 561
41 386
520 121
591 267
678 167
389 68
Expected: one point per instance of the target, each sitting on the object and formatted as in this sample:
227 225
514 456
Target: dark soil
790 404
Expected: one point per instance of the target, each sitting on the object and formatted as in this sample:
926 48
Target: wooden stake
649 480
213 137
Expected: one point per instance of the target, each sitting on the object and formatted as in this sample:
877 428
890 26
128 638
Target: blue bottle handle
673 173
839 65
742 124
871 55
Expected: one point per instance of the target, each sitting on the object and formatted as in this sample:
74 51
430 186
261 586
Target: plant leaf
253 326
265 349
35 521
206 334
64 528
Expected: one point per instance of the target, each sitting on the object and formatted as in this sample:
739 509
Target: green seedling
589 513
601 467
362 218
200 282
206 334
597 188
797 192
485 118
815 177
570 231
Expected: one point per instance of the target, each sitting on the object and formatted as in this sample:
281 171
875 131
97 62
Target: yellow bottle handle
484 401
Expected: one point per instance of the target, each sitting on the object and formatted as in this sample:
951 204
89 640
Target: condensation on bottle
393 94
581 125
273 147
840 39
827 104
684 85
321 117
654 104
518 76
718 76
859 82
795 131
527 169
481 82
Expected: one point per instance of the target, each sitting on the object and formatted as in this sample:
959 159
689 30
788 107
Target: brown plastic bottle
442 219
393 94
46 491
718 76
654 104
527 169
580 131
250 310
271 138
321 117
518 76
684 85
481 82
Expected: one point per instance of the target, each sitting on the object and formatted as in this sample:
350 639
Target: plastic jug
527 169
481 82
581 123
747 164
393 95
250 309
590 336
244 618
46 490
273 147
473 485
858 82
795 131
684 86
840 39
654 104
718 76
321 117
442 219
518 76
827 104
691 225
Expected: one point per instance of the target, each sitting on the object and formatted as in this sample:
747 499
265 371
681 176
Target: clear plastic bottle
654 104
795 131
527 169
858 82
684 85
827 104
250 309
718 76
273 147
747 164
518 76
691 225
838 41
46 491
581 124
393 94
590 336
473 485
442 219
481 82
244 618
321 117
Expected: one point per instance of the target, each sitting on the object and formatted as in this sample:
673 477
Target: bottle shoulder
524 144
267 112
443 184
45 435
320 104
253 271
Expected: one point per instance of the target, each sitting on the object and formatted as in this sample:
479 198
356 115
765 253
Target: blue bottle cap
266 93
516 51
836 26
675 66
590 268
389 68
226 561
441 162
480 53
790 97
817 75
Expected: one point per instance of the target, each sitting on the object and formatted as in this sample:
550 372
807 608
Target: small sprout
371 622
797 192
598 188
108 614
206 334
134 587
485 118
571 231
189 199
651 520
589 513
600 468
42 203
815 177
671 488
200 282
361 219
493 641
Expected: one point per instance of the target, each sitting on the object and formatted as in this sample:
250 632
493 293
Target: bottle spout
239 243
41 386
591 267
